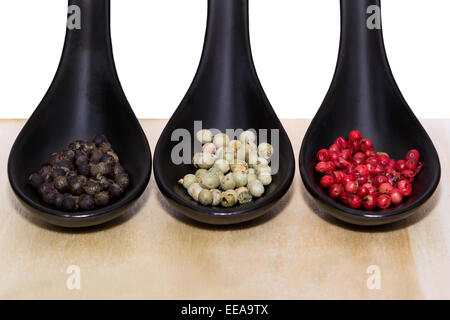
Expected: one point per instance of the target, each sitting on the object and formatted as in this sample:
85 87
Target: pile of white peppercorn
86 175
229 172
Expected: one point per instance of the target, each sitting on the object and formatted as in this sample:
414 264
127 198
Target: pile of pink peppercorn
358 176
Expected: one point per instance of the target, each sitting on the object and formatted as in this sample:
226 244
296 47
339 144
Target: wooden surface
294 252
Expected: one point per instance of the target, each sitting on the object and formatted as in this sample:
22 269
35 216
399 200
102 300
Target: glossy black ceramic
225 94
84 99
365 96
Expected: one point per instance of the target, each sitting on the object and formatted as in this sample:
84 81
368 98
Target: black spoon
365 96
85 99
225 94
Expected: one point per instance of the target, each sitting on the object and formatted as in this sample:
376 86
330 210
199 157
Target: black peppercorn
114 155
69 202
84 169
100 168
77 199
76 185
81 159
78 153
83 179
55 159
68 155
118 169
104 182
102 199
71 174
66 164
58 200
86 202
105 146
99 139
58 172
87 147
105 169
108 159
115 190
35 180
48 178
92 187
45 187
45 171
94 169
61 184
49 196
84 175
96 155
123 180
76 145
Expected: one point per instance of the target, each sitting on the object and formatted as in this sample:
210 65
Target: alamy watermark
74 18
73 282
374 280
374 20
182 151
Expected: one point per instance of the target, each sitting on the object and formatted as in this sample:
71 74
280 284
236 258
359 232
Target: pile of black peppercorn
84 176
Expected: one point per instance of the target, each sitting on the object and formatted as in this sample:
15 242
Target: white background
157 47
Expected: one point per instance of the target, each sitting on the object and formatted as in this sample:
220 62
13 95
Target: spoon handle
87 47
362 46
227 43
88 24
226 83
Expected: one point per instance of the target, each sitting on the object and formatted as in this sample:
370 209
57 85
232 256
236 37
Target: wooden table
294 252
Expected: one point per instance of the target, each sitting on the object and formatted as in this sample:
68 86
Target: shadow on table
130 213
423 211
271 214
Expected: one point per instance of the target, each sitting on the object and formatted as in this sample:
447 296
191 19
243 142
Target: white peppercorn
235 145
200 172
247 136
250 147
209 148
228 182
188 180
229 172
209 180
216 195
241 153
225 153
222 165
228 199
251 177
262 161
256 188
205 197
240 178
221 140
252 158
244 195
265 150
265 178
203 160
263 168
239 165
194 190
217 172
204 136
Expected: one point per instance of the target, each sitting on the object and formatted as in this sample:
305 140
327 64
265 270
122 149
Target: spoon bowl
225 94
84 99
364 96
